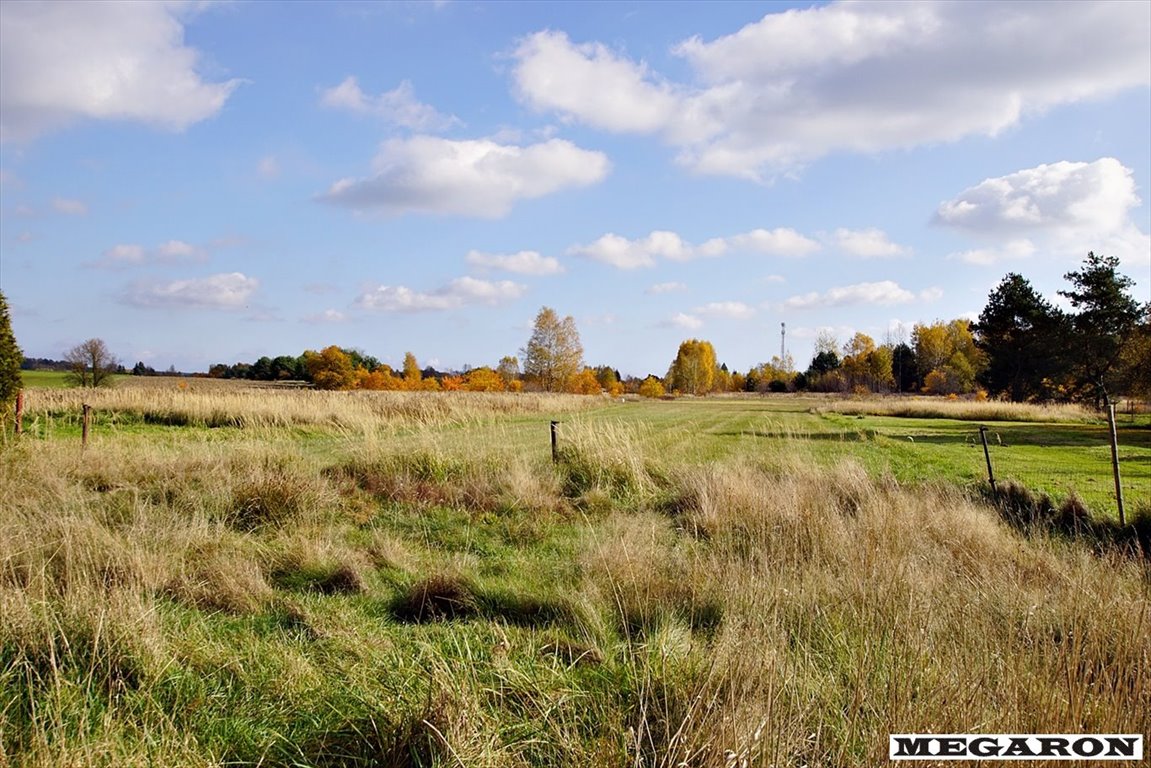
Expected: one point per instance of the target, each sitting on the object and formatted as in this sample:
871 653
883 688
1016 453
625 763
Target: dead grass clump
312 565
605 459
220 575
442 596
273 491
648 577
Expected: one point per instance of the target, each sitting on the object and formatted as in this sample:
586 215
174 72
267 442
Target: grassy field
228 576
44 379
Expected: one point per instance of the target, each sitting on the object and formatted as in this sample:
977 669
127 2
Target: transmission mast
782 342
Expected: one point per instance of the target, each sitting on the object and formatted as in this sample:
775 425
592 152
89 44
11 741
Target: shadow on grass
1029 512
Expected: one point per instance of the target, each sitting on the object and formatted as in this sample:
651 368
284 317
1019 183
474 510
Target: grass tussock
965 410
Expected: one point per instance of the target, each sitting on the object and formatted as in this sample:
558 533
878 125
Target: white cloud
660 288
590 83
398 106
782 241
223 291
622 253
70 207
427 174
132 255
1010 251
1065 208
523 262
683 320
463 291
884 292
867 243
858 77
735 310
60 62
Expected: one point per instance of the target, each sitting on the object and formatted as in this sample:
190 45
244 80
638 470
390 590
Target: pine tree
10 358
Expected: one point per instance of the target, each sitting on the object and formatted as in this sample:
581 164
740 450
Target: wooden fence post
1115 461
20 412
987 455
555 445
84 428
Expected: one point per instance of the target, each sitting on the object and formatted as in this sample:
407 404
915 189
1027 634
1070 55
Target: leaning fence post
555 445
987 455
84 428
1115 461
20 412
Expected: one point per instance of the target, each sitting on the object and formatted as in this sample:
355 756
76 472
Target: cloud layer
860 77
60 62
399 106
427 174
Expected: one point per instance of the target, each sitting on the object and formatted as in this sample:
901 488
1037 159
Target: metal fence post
1115 461
987 455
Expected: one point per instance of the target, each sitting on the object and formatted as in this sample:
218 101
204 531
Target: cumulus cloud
861 77
735 310
62 62
230 290
782 241
683 320
622 253
591 83
524 262
867 243
461 292
884 292
1064 207
398 106
427 174
670 287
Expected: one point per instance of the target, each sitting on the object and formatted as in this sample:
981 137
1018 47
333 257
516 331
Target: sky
203 182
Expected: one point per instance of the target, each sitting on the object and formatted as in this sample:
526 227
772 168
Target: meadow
238 576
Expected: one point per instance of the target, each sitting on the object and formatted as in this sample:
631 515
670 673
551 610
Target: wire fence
1037 458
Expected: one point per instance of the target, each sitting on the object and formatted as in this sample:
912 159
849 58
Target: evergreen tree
10 358
1023 338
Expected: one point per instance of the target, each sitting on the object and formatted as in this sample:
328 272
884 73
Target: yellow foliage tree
652 387
584 383
693 370
483 380
330 368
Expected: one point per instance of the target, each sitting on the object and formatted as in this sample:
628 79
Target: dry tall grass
967 410
210 603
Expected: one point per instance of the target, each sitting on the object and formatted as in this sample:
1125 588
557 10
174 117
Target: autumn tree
693 370
508 369
1105 319
553 355
331 368
652 387
90 364
10 358
948 358
412 374
484 379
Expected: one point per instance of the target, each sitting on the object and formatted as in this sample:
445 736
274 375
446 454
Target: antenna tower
782 342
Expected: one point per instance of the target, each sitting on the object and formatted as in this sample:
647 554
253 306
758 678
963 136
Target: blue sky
213 182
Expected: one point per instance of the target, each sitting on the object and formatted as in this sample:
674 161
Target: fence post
1115 461
987 455
20 412
555 446
84 428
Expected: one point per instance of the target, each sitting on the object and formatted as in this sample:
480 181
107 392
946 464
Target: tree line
1022 347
